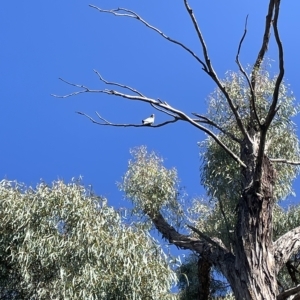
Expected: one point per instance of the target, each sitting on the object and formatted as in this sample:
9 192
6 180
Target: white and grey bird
149 121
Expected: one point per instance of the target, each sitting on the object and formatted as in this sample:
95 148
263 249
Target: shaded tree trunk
204 268
255 270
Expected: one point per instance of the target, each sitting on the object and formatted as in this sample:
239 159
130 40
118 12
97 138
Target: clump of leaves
221 175
64 242
149 185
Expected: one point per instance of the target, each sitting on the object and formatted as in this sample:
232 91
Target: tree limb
107 123
253 111
288 293
164 111
207 238
218 256
285 246
273 108
272 111
285 161
211 72
118 84
123 12
212 123
155 103
131 14
264 46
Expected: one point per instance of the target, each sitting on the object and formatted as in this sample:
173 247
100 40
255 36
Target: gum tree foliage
151 187
220 174
64 242
251 133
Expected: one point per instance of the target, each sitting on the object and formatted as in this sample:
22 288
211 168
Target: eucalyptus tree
64 242
250 259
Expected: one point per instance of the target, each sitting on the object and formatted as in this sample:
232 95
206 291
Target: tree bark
204 268
255 262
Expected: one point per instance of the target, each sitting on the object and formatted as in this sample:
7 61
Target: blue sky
42 136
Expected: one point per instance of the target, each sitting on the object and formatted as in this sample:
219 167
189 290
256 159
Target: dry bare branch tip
136 16
107 123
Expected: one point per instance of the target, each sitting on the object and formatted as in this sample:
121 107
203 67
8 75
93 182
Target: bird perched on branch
149 121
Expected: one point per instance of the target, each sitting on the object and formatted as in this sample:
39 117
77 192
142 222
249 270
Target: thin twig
118 84
253 96
134 15
164 111
107 123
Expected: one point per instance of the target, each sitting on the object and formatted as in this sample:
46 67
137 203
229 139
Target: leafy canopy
64 242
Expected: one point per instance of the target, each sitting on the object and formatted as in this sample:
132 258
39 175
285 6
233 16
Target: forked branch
213 75
217 255
253 112
157 104
105 122
207 121
273 107
124 12
206 66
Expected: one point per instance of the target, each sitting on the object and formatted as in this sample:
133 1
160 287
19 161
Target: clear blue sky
43 138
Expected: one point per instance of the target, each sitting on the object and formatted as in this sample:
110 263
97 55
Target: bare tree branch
211 72
253 111
131 14
264 46
285 161
155 103
219 256
85 89
123 12
107 123
288 293
273 108
286 246
118 84
212 123
164 111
